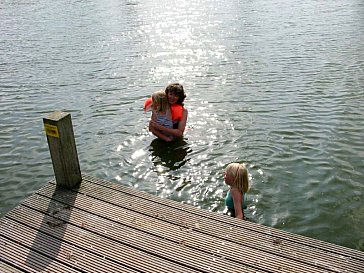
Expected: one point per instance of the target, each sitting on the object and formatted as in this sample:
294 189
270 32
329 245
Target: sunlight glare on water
276 85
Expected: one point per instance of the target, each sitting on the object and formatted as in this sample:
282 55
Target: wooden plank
103 244
257 241
106 227
5 267
280 235
55 249
16 255
190 237
185 236
119 238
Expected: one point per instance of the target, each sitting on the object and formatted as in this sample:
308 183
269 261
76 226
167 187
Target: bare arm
238 201
173 132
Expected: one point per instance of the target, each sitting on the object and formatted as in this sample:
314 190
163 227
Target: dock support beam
62 146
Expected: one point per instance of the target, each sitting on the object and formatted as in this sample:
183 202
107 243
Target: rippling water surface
276 84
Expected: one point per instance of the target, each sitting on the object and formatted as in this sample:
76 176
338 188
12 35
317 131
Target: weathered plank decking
106 227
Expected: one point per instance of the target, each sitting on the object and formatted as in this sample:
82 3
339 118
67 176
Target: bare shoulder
185 111
235 192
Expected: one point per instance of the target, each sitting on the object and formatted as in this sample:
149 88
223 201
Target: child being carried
161 113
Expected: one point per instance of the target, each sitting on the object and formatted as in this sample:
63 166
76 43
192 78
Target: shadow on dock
55 221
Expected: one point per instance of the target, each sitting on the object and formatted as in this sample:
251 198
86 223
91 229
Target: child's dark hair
177 89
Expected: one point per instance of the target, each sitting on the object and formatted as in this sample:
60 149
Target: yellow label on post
51 130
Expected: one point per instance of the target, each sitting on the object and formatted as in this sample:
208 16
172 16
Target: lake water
277 84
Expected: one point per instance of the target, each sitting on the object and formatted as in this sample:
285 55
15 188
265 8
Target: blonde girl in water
161 114
236 176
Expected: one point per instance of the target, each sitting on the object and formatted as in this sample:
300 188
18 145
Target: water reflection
303 126
170 155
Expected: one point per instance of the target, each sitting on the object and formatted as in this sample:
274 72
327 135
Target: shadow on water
49 237
171 155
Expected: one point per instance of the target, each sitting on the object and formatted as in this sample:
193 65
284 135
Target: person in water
161 114
176 96
236 176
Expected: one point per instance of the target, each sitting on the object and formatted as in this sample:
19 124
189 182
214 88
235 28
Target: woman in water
176 96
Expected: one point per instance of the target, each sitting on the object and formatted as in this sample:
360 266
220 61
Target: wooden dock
106 227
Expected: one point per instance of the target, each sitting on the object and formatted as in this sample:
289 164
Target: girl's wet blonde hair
240 174
160 99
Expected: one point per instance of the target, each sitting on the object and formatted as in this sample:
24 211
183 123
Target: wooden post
62 146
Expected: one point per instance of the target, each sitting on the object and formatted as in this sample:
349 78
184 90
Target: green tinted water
276 84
